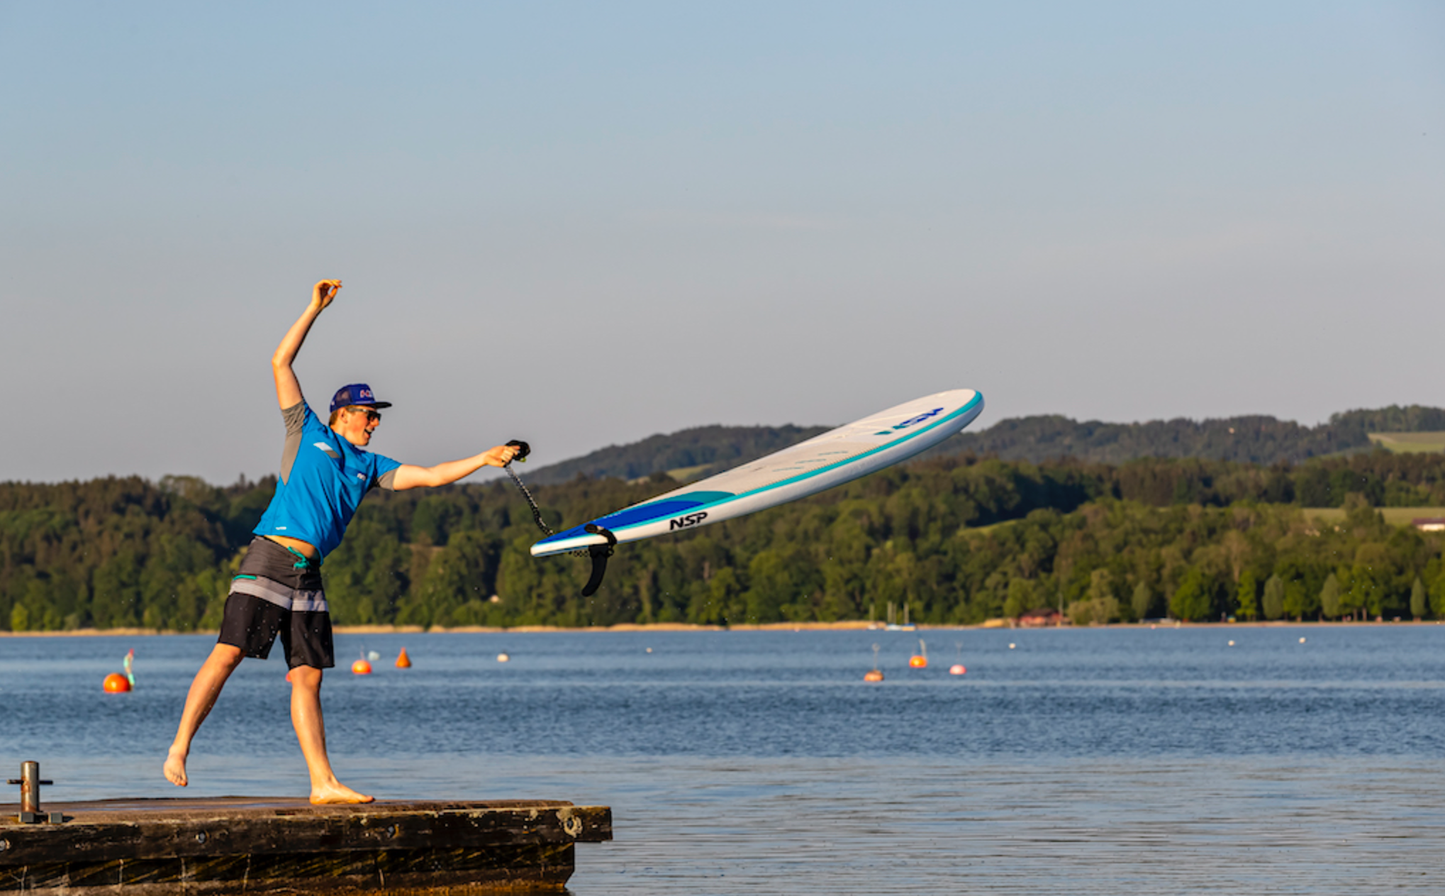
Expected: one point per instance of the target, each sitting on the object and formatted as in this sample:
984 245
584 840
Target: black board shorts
274 593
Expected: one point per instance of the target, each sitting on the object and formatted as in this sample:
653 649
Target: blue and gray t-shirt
323 479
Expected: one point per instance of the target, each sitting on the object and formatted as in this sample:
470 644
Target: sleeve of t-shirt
295 417
384 472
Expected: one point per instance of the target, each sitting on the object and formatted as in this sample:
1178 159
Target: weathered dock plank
250 845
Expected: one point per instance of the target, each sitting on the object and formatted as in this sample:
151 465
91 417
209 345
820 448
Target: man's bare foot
329 794
175 768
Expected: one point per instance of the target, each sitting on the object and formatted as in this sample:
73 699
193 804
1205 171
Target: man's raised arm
408 476
288 388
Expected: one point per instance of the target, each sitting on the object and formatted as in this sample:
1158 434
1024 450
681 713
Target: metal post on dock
30 782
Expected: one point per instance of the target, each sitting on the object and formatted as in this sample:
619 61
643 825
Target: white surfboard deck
833 458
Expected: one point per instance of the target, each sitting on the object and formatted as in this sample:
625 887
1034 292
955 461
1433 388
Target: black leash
599 553
523 449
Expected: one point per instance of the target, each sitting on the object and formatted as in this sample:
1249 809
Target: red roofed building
1041 617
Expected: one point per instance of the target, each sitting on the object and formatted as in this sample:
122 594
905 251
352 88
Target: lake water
1103 761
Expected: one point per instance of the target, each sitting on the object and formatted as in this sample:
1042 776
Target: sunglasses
370 414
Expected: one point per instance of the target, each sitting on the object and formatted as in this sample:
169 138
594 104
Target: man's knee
305 677
228 655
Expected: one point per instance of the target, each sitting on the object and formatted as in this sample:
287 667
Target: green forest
959 539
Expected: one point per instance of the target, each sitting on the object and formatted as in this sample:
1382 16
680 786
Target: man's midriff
295 544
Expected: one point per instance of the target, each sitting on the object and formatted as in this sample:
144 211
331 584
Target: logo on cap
356 393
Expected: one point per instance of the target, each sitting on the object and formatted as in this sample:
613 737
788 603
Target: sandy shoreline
857 625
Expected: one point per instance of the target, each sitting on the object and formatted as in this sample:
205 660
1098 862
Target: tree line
960 539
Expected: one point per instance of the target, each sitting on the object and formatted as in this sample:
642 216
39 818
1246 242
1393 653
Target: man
324 475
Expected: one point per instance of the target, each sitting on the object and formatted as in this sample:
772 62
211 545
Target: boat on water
893 625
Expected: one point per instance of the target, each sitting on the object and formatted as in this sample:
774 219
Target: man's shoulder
300 413
302 423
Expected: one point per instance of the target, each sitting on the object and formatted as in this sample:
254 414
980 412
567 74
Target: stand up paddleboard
833 458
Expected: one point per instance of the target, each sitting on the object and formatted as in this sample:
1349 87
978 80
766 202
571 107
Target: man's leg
204 690
311 733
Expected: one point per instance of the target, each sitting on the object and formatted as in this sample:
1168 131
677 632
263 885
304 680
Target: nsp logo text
688 521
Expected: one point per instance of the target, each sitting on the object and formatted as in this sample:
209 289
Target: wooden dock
227 845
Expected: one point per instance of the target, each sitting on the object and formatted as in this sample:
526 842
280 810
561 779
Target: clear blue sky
582 224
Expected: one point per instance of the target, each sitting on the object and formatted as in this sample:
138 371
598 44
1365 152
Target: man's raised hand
324 292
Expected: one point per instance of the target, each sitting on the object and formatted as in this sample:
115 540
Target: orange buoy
920 659
956 669
361 667
116 683
873 675
402 660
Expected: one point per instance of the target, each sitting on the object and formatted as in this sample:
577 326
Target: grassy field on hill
1410 442
1394 516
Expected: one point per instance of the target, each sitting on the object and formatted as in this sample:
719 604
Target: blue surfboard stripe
613 523
646 513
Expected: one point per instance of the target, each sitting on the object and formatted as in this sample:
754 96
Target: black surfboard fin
599 554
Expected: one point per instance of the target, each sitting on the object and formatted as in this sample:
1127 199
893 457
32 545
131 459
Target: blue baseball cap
356 393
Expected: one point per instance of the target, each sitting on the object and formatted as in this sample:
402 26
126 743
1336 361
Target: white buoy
649 650
1012 646
1231 643
503 658
1301 640
373 655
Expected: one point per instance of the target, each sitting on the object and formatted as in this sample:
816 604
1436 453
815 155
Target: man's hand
323 293
501 455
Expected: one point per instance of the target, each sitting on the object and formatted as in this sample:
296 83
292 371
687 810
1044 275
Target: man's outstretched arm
288 388
408 476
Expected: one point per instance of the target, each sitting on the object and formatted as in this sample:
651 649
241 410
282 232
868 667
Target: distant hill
1414 418
686 454
691 453
1253 439
1249 439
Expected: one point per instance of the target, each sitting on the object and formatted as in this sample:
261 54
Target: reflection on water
956 826
1121 761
